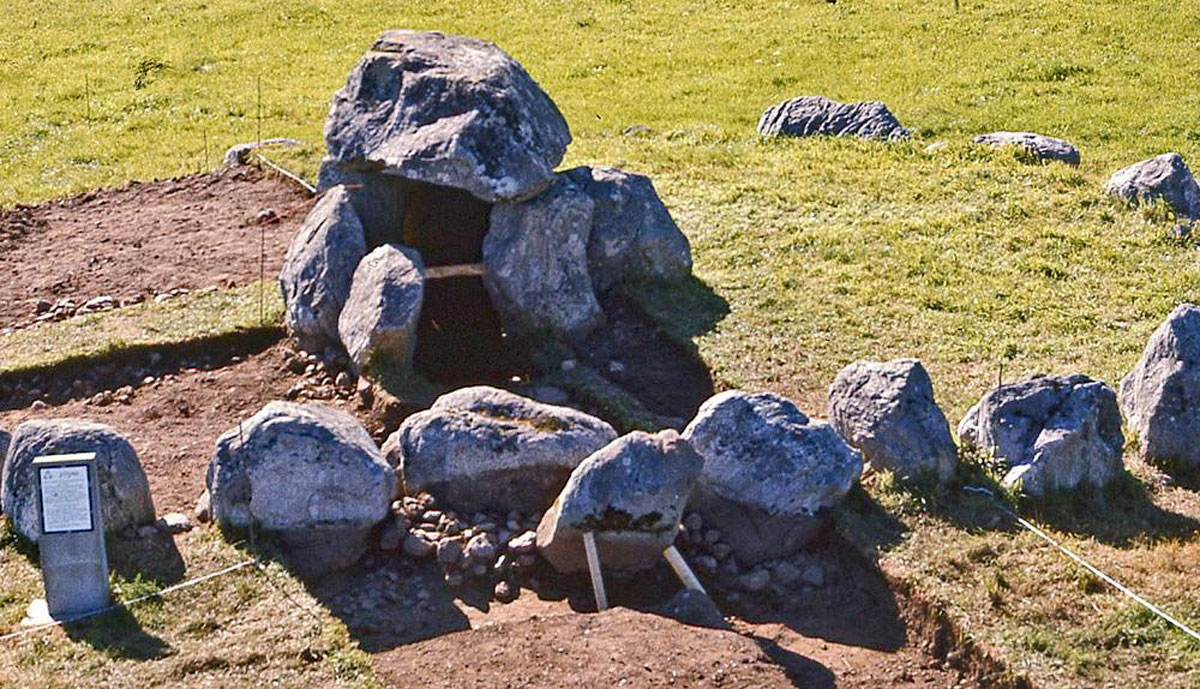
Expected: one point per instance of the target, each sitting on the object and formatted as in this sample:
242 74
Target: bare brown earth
855 632
144 239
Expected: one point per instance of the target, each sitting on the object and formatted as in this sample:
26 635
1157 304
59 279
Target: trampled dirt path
191 232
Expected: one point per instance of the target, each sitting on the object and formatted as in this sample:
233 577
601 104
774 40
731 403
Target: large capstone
536 253
770 473
630 494
633 234
378 325
1037 146
886 410
1161 395
378 199
124 491
820 116
1051 432
481 448
1166 178
319 269
307 474
448 110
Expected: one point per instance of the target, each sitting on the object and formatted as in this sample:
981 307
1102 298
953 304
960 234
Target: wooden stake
593 558
685 573
258 85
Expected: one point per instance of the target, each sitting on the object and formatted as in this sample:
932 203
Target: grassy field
825 251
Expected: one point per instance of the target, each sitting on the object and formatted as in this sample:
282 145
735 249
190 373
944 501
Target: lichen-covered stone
1036 145
448 110
319 269
124 491
1164 177
769 472
307 474
482 448
820 116
1161 395
633 234
537 263
630 494
1052 432
886 410
378 324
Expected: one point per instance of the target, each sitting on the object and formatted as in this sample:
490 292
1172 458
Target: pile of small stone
496 549
709 551
321 378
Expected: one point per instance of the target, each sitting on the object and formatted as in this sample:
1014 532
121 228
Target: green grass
237 630
810 254
191 317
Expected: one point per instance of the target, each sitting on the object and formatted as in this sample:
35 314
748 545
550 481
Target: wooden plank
457 271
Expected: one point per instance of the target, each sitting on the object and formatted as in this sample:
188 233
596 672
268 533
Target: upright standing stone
378 324
886 410
319 269
71 525
1165 177
1161 395
536 256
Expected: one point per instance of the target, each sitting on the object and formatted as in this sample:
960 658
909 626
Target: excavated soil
192 232
145 239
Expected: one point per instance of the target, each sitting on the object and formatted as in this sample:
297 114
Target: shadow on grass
1120 514
119 635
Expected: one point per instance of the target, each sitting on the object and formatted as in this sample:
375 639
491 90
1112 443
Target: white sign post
71 544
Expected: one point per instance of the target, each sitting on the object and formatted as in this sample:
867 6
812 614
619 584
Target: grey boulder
481 448
630 494
307 474
378 324
886 410
1037 145
1164 177
447 110
770 473
1052 432
536 253
378 199
319 269
1161 395
820 116
633 234
124 491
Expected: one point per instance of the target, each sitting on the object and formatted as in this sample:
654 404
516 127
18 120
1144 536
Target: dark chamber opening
459 337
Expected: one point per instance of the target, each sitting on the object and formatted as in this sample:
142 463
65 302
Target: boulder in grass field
886 410
447 110
319 269
1164 177
1161 395
307 474
1052 432
630 494
633 234
482 448
770 473
820 116
536 253
124 491
378 325
1036 145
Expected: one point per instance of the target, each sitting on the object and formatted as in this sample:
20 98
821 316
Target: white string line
127 603
286 173
1091 568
